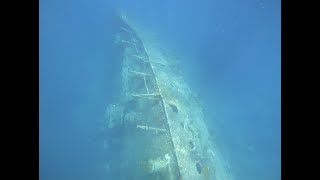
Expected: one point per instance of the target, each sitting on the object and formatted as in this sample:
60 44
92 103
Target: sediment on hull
163 124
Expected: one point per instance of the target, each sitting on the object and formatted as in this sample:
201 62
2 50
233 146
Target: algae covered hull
164 133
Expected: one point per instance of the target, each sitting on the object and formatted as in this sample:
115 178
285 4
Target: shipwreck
164 134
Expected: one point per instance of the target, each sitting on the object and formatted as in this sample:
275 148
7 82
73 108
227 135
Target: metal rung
140 57
139 73
151 128
146 95
125 30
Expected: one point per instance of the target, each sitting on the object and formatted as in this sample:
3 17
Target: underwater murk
166 99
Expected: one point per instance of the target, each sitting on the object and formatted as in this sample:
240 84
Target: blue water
233 64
